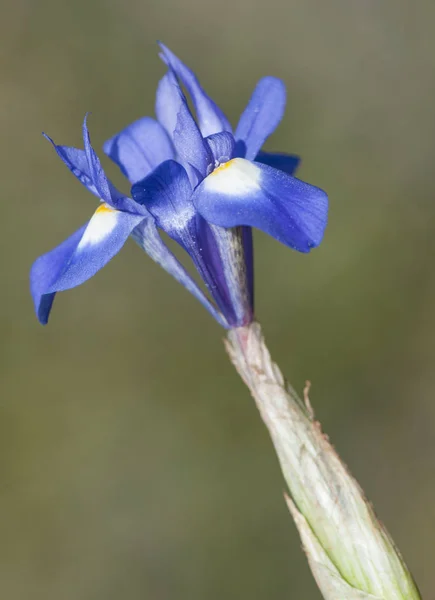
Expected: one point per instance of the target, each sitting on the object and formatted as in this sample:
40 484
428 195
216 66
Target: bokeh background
133 461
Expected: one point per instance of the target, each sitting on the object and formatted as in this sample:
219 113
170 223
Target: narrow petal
211 119
261 117
168 103
76 161
244 193
248 250
283 162
227 249
188 141
96 170
221 146
190 146
166 194
148 238
80 256
85 165
139 148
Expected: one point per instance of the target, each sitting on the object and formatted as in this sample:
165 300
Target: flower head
199 182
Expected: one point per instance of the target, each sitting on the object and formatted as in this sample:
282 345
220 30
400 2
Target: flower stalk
350 552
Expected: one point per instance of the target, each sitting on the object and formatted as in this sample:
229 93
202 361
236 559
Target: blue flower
91 247
199 182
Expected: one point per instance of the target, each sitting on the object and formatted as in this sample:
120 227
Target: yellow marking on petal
222 167
104 208
101 225
242 179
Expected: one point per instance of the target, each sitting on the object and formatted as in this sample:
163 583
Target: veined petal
227 252
248 249
240 192
148 238
261 117
211 119
80 256
139 148
221 146
283 162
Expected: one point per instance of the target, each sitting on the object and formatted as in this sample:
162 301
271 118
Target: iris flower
199 182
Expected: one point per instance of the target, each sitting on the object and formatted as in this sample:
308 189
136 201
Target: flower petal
139 148
76 161
221 146
261 117
148 238
244 193
80 256
86 166
96 170
168 102
248 250
228 250
188 141
283 162
211 119
46 269
166 194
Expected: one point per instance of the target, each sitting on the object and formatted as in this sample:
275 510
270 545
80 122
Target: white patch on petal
182 217
102 223
237 177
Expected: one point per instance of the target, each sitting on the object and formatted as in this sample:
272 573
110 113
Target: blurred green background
133 461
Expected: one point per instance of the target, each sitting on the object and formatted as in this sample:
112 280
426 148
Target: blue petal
46 269
283 162
85 165
80 256
77 163
210 117
166 194
190 146
96 170
139 148
188 141
221 146
168 102
261 117
244 193
148 238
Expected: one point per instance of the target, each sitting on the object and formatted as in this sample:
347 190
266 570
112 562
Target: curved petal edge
79 257
241 192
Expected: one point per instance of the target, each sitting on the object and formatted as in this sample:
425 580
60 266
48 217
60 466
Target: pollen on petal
235 177
101 225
